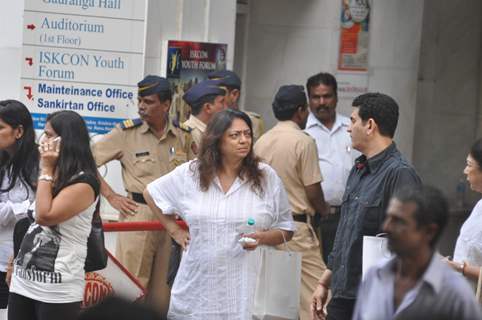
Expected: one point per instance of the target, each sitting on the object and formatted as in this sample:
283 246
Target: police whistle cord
137 226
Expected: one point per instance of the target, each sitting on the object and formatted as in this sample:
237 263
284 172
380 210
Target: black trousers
340 309
23 308
327 227
3 291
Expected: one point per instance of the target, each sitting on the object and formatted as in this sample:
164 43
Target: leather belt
138 197
334 210
300 217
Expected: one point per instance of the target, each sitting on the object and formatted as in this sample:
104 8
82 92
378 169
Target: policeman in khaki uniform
293 154
147 148
232 83
205 99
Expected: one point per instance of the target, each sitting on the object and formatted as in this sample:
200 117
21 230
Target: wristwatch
45 177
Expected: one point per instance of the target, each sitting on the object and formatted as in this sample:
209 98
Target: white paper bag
115 280
374 251
277 295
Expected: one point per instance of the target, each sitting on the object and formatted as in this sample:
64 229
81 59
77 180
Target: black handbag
19 231
96 254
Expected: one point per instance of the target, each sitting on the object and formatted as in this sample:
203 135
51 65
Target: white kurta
469 243
216 278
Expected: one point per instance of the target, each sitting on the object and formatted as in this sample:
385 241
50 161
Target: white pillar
11 24
395 37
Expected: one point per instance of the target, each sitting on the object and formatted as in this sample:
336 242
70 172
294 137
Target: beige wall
448 99
289 40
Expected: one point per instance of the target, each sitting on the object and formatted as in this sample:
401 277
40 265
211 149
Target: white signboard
85 56
351 85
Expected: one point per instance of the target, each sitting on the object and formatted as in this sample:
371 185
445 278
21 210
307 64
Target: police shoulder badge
130 123
182 126
253 114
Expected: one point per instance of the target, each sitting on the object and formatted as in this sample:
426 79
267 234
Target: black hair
381 108
432 207
476 152
197 107
75 153
210 158
284 111
23 164
323 78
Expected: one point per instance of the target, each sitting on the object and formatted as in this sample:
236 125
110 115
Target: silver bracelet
45 177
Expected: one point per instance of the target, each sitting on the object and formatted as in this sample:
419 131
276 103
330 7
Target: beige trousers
146 255
312 266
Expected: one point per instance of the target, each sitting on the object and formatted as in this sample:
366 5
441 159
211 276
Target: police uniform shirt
292 153
257 123
143 156
198 127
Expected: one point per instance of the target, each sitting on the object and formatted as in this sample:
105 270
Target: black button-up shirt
370 186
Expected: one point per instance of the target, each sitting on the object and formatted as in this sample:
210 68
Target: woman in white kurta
216 195
468 250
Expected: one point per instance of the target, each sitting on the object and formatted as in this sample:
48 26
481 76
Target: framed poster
354 34
187 63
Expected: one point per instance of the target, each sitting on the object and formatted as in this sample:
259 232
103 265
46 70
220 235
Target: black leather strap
138 197
300 217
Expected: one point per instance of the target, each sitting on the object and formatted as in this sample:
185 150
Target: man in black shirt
376 175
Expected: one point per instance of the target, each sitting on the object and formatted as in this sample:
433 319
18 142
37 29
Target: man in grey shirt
378 173
416 284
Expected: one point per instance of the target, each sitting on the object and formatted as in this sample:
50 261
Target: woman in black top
48 279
